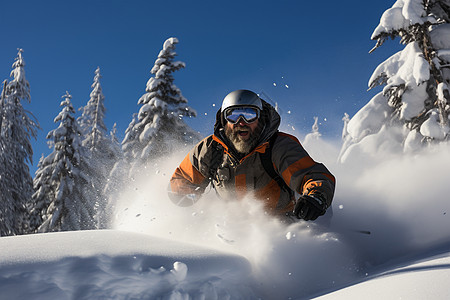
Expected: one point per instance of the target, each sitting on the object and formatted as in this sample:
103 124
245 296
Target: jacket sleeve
187 179
300 171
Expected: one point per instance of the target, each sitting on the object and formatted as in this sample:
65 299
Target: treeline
75 186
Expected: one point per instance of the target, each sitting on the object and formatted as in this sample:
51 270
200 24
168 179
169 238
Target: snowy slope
388 231
424 280
116 265
123 265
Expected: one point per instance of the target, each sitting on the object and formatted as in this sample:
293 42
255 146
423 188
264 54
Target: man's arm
187 183
302 173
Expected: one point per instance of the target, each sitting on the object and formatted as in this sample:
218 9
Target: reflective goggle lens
249 114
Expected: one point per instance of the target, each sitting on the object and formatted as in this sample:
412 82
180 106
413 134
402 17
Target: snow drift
116 265
389 213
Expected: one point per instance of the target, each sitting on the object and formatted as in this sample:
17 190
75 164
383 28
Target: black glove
310 207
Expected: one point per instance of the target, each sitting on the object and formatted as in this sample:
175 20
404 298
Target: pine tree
115 146
18 126
2 101
160 125
102 150
63 197
44 191
92 119
158 128
415 94
6 207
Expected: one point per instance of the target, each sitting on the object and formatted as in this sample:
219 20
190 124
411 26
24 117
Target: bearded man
247 154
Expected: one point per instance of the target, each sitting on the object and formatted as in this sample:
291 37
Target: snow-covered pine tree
2 100
115 144
18 126
63 197
160 125
6 207
44 191
415 94
91 120
102 150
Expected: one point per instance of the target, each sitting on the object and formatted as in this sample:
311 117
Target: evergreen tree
63 196
5 203
415 94
115 145
159 125
2 101
18 126
102 150
44 190
91 121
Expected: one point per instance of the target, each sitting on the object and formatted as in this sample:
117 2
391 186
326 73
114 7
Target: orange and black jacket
237 176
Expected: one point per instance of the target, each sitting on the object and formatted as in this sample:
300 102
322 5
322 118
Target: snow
169 43
391 20
405 67
413 11
413 102
402 14
424 280
368 120
440 36
431 126
114 265
386 235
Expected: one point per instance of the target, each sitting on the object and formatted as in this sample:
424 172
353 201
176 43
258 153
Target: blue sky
316 52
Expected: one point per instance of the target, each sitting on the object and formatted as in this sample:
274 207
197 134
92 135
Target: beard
243 146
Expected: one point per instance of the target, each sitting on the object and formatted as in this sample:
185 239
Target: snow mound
422 280
117 265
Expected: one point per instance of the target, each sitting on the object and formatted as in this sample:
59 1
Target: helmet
241 98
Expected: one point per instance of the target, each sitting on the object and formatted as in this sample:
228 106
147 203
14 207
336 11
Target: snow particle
179 271
274 84
341 206
290 235
286 86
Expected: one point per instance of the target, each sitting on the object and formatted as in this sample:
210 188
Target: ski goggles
248 114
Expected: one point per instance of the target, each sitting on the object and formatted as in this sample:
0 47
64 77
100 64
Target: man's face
243 135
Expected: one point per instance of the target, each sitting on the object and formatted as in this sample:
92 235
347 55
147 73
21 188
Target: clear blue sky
319 49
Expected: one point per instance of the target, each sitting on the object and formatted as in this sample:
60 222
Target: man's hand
309 207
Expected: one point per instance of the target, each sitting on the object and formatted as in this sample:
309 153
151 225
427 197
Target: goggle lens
249 114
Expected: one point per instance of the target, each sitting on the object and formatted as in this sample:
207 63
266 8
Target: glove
309 207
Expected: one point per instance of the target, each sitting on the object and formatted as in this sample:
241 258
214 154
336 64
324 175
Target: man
247 154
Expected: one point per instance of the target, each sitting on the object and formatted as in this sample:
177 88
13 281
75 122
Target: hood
269 117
